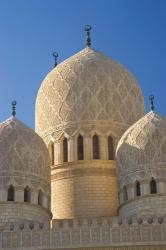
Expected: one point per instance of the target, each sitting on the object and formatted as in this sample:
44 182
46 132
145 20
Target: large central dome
88 87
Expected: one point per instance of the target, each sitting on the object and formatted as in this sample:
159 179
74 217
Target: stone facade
24 174
87 88
98 201
83 95
141 158
84 190
101 233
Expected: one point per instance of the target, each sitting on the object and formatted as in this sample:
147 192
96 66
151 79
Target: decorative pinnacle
55 55
88 39
14 103
151 99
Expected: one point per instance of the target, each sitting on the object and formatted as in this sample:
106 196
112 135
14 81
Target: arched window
11 193
65 150
40 198
52 153
153 186
95 144
80 147
137 188
110 148
27 194
125 195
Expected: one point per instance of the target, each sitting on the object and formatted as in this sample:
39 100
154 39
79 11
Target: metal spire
14 103
55 55
88 39
151 99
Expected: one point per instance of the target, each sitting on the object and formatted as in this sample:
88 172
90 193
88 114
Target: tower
82 108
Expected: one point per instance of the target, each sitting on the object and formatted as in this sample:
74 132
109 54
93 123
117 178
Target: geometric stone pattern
141 155
87 87
141 151
24 161
22 152
88 93
106 234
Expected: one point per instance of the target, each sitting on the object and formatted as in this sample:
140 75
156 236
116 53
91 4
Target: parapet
98 232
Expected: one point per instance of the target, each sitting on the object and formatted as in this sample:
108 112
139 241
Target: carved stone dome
141 157
142 148
88 87
21 149
24 161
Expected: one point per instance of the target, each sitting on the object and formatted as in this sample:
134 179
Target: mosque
93 175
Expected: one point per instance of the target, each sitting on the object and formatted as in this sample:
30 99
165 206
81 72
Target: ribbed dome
141 152
22 150
88 87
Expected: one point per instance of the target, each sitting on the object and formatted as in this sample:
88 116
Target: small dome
141 167
21 149
141 151
24 173
88 87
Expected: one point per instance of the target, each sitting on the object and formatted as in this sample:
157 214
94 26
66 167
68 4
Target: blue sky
133 32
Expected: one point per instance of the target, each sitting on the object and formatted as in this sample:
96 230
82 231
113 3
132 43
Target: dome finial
55 55
14 103
151 99
88 39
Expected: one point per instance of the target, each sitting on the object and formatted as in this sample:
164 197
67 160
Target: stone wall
83 190
107 233
152 204
141 158
16 211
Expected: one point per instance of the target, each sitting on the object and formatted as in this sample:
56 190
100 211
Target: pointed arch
40 198
80 147
65 150
110 148
27 194
11 193
137 188
125 195
96 147
153 186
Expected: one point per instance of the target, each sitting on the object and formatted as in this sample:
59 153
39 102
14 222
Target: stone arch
80 147
65 149
137 188
110 146
27 194
40 197
153 186
96 146
11 193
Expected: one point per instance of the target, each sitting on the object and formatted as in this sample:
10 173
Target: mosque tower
83 107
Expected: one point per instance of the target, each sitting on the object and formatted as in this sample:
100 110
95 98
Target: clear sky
133 32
